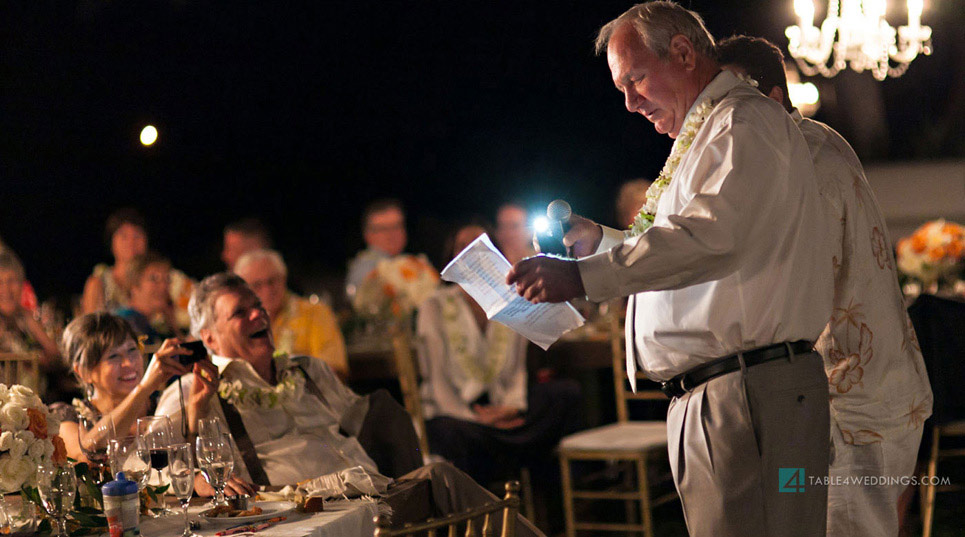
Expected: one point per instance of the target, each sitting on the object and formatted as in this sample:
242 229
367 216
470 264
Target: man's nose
632 100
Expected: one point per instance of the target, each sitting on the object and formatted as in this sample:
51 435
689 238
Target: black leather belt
685 382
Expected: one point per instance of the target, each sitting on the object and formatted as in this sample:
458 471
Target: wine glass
208 427
181 471
129 455
57 486
93 438
216 460
155 433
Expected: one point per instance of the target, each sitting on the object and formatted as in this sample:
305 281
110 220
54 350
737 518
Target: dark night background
300 113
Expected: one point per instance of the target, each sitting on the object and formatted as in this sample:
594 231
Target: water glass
57 486
208 427
181 471
216 460
129 455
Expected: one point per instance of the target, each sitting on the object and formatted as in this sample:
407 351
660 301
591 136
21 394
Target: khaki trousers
737 443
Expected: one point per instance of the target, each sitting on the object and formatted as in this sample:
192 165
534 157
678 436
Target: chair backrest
408 371
618 344
940 326
20 368
476 522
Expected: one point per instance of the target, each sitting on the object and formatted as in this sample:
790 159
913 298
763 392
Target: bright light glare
541 224
803 94
148 135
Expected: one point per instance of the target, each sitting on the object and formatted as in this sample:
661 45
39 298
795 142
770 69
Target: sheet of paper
480 269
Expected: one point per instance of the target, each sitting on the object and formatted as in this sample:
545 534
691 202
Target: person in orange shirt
300 327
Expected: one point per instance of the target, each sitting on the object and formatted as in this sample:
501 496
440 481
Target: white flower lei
695 120
290 387
496 350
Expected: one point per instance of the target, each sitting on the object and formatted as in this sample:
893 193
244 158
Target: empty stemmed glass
208 427
181 472
216 460
93 438
129 455
57 486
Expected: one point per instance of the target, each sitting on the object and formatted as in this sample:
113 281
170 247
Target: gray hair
656 23
258 255
201 305
10 261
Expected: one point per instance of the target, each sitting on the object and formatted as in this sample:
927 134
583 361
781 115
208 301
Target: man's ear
207 337
682 50
777 95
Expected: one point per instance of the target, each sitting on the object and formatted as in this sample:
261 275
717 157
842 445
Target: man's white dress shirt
297 440
739 254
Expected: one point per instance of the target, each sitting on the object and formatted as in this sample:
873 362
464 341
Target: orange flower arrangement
396 287
934 251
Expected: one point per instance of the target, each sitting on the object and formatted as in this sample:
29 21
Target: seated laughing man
296 431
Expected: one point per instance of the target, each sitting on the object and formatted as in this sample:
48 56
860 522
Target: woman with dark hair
109 287
104 353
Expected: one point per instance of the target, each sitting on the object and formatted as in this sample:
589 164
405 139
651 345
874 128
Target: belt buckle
672 389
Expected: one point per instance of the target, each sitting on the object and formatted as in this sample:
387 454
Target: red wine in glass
159 459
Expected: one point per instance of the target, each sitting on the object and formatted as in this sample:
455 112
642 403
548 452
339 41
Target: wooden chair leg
644 486
630 483
928 513
529 507
568 508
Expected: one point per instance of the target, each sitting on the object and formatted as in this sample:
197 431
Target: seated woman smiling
104 354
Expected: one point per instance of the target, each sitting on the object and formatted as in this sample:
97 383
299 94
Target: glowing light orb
541 224
148 135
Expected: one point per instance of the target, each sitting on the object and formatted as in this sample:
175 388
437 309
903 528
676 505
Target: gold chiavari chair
635 443
20 368
477 522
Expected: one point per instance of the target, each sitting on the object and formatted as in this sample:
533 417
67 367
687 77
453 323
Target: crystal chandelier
856 32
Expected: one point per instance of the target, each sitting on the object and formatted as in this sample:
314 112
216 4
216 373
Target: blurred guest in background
630 198
28 298
481 414
513 234
108 288
300 327
383 228
19 331
242 236
150 311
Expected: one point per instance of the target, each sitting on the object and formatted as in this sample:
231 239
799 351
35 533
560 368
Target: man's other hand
584 236
546 279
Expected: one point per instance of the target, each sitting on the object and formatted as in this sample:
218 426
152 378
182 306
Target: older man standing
729 275
880 395
300 327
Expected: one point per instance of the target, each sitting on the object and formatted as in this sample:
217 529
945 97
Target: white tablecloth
340 518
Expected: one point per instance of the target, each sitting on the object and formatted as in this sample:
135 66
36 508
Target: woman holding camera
104 353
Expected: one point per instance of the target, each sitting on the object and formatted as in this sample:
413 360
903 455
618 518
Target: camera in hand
198 352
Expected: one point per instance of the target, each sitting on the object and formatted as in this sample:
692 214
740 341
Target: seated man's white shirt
738 256
297 440
460 362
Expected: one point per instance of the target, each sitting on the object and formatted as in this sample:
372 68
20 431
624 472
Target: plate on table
268 510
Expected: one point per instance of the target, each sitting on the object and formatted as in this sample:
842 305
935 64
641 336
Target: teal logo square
790 479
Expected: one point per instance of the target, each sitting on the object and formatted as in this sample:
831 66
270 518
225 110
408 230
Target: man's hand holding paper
481 270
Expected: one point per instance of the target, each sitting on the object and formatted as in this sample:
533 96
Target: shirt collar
796 116
717 88
223 363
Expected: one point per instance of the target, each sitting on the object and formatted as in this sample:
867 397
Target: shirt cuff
611 238
596 271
